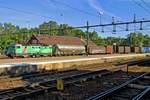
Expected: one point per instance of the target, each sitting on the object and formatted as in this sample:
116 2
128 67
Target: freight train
19 50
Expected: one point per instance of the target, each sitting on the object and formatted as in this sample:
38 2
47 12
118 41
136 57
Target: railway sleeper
128 92
44 86
147 77
143 82
120 97
30 92
136 86
109 93
138 92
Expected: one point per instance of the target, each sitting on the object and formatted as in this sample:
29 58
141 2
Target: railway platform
24 65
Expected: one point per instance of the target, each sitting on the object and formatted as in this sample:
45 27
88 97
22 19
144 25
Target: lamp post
100 18
28 27
100 14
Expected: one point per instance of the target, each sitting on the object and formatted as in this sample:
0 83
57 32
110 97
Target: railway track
49 86
43 75
47 74
9 82
43 86
135 89
25 79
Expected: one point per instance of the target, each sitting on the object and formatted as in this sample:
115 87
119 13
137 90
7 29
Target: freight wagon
100 49
109 49
135 50
120 49
127 49
68 50
123 49
145 49
96 50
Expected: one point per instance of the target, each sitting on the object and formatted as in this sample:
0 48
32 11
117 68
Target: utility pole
49 28
113 23
100 22
62 30
134 20
39 31
28 27
87 44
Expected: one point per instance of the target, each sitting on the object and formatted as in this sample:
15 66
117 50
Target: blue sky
33 12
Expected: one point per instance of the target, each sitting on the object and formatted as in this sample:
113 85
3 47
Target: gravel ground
83 90
6 82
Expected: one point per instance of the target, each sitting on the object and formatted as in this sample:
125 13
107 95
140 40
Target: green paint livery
28 50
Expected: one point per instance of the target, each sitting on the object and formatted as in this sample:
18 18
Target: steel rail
142 94
48 85
42 85
108 92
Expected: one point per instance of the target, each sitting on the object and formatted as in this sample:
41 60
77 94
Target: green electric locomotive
18 50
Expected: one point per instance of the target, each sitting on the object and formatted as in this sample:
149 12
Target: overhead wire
32 13
35 14
145 9
144 2
74 8
26 12
141 6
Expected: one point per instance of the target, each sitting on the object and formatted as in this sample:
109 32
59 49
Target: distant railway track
135 89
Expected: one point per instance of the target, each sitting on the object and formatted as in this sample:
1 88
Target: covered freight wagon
68 49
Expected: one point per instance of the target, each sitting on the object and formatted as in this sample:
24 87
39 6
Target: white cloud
96 5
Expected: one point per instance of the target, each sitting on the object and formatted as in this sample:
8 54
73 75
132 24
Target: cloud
94 4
